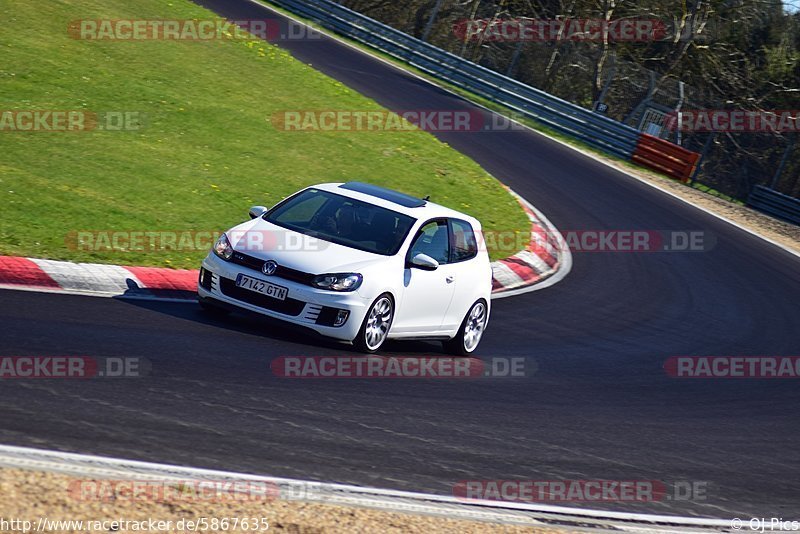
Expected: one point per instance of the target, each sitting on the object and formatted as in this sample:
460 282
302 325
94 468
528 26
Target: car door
467 276
426 294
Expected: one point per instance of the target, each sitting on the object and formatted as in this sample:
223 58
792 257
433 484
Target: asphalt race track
598 406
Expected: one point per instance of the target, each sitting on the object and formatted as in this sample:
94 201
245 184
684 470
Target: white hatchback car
358 263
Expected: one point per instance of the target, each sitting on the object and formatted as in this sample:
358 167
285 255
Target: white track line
83 465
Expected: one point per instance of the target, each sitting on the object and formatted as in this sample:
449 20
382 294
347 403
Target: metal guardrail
776 204
567 118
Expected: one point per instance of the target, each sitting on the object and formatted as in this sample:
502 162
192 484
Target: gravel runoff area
30 495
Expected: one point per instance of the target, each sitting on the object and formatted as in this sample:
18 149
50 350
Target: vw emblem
269 268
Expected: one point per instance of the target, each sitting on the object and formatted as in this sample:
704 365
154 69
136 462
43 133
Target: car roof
407 201
395 201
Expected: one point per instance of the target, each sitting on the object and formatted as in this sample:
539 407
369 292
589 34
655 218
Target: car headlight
223 248
338 281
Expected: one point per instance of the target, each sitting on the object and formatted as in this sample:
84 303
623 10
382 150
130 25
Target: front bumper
304 305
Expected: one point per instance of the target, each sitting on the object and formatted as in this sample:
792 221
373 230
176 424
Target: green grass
207 151
713 192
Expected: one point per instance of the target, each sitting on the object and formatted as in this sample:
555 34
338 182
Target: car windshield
343 220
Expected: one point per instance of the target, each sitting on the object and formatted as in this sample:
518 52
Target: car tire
474 324
213 309
375 329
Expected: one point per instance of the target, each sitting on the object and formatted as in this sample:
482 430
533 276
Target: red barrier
663 156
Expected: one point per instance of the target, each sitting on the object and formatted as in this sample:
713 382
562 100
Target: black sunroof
386 194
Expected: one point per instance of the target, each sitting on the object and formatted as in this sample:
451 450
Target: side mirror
257 211
424 262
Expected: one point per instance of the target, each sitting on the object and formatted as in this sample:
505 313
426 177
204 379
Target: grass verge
206 150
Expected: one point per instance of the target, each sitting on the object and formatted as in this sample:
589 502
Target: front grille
286 273
294 275
288 306
247 261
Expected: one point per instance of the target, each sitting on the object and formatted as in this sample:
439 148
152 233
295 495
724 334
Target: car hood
267 241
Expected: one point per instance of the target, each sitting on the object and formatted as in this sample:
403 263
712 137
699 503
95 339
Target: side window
463 244
432 240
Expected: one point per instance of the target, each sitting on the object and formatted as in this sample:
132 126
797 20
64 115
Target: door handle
450 279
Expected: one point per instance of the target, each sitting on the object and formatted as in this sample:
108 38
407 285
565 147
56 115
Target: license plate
260 286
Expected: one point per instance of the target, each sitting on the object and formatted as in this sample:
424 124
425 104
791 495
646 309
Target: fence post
431 20
514 59
610 78
705 150
679 134
782 164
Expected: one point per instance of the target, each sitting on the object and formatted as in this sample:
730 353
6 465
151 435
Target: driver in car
346 222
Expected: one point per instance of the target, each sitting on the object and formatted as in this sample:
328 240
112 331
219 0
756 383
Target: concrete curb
96 279
546 258
91 467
